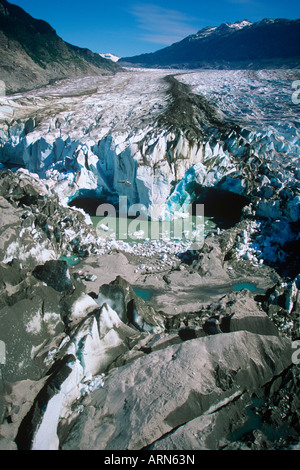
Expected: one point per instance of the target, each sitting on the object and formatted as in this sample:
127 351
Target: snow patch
34 325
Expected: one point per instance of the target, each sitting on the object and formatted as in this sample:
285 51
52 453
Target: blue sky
128 28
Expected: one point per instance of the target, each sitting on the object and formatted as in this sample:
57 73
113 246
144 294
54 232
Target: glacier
106 137
154 138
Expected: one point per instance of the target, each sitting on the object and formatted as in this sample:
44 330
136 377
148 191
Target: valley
152 343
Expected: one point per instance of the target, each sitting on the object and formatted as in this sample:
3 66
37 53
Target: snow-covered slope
214 30
110 56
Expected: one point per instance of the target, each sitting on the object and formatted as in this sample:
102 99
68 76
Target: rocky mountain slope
32 55
266 44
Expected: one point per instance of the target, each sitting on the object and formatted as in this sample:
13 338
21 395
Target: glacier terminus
150 344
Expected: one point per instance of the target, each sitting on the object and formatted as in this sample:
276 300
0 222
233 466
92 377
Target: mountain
270 43
32 54
110 56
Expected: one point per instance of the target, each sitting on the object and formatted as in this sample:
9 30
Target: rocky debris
11 274
34 318
276 414
195 378
55 274
66 331
106 267
29 430
52 318
91 365
207 432
193 113
131 308
210 259
239 311
30 328
38 307
236 311
35 227
282 303
240 321
281 408
89 277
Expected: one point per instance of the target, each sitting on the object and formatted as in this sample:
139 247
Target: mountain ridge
265 44
33 55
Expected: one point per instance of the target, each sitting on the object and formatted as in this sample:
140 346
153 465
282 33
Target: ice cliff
148 137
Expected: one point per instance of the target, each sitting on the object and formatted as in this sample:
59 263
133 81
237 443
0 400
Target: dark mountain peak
235 26
225 27
276 22
17 16
269 43
32 54
3 8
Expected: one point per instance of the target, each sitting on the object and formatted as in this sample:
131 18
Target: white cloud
162 25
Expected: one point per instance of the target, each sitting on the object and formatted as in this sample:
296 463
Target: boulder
238 311
11 274
207 432
253 322
35 311
210 260
132 309
55 274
